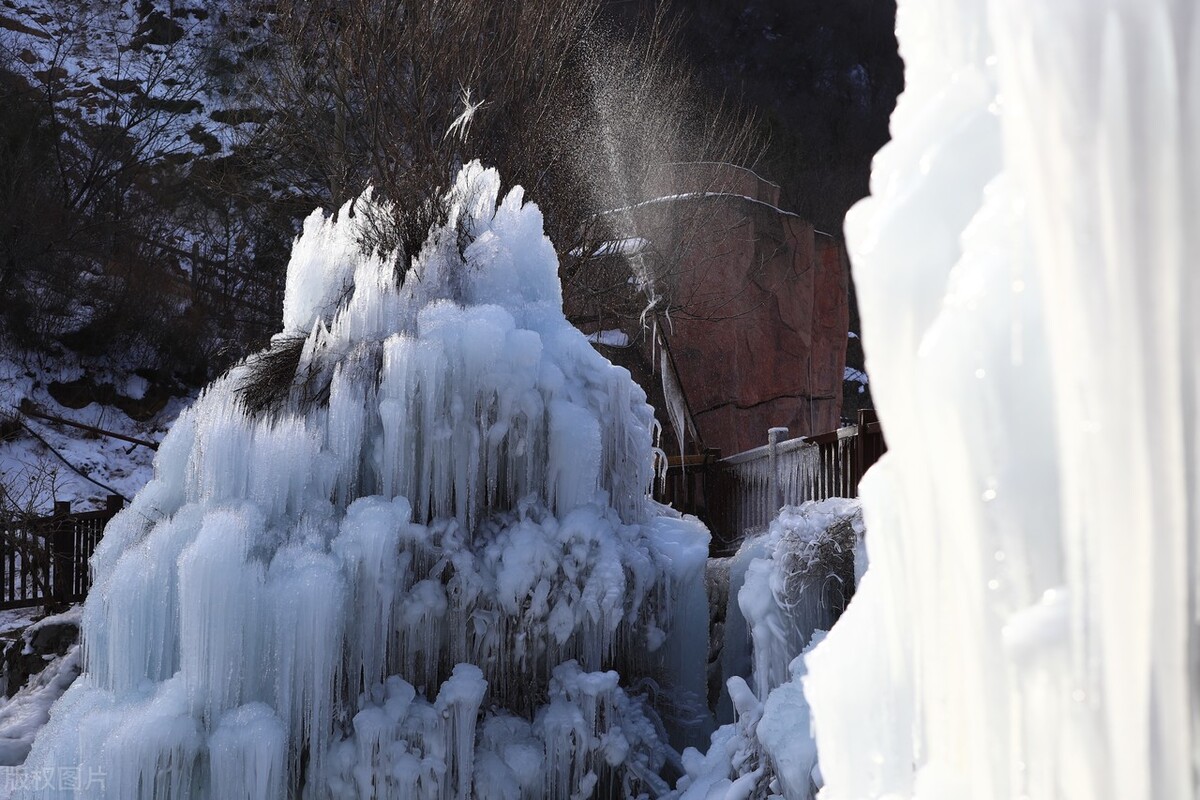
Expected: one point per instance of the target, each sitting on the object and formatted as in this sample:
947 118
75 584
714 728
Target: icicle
155 753
221 621
307 591
248 755
458 702
369 548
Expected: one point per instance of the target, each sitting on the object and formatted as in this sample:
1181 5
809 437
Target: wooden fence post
60 566
870 444
774 489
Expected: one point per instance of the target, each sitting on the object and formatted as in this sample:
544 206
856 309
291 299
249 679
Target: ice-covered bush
786 588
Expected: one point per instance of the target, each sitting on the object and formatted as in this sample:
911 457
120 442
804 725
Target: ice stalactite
1027 627
247 754
407 552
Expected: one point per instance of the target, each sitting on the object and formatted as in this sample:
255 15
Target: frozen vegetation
409 552
1028 625
424 565
786 588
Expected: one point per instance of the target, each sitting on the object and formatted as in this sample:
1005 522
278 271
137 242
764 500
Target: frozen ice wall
425 567
1028 623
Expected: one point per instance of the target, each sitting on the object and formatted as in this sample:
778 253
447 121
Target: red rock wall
777 355
761 337
757 308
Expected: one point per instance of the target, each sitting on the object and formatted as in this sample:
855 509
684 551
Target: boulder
27 655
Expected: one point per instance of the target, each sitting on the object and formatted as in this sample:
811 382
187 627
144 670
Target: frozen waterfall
426 567
1028 624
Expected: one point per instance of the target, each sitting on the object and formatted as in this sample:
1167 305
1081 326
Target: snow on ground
856 376
13 621
24 714
72 616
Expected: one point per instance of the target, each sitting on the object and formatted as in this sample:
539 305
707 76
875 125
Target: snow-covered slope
43 461
149 83
165 72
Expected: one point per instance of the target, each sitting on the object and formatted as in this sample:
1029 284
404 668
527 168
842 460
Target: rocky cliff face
751 301
764 343
823 76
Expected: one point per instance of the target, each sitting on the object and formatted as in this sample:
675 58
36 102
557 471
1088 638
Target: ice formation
1028 624
799 584
787 587
428 568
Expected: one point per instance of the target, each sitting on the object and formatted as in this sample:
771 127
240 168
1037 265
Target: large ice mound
429 569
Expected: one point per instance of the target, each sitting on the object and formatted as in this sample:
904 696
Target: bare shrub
562 101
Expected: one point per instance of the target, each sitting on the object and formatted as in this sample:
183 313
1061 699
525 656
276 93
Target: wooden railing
44 560
743 493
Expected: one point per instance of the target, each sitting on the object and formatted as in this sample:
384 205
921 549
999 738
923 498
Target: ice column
1028 624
